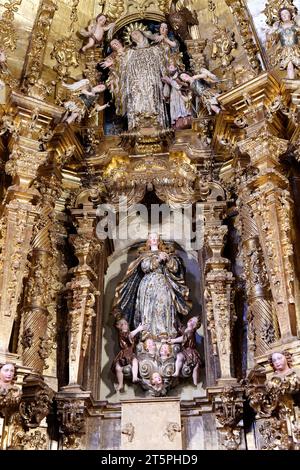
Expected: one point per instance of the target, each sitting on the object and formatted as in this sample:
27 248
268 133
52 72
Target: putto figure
189 355
283 43
95 31
83 99
202 90
126 356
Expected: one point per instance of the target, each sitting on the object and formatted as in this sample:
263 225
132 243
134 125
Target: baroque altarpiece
117 332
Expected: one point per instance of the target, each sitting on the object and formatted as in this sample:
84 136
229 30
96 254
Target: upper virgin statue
136 78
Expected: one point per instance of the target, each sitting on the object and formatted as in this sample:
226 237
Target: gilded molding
37 47
242 20
8 32
218 294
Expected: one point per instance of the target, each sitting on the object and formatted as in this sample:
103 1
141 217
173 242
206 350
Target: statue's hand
163 256
159 38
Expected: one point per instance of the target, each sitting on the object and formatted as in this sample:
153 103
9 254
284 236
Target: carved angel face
279 362
165 350
7 373
163 29
285 15
116 45
153 239
122 325
101 20
150 346
156 379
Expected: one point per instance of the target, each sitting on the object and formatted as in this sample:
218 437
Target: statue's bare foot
119 388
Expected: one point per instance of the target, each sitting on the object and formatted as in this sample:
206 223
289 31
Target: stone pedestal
151 424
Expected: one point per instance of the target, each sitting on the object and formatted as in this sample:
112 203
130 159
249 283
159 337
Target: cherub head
116 45
157 381
165 350
153 239
101 19
163 29
150 346
281 361
193 323
7 373
285 14
122 325
185 77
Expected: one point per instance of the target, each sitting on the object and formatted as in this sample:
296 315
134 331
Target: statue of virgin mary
153 291
137 75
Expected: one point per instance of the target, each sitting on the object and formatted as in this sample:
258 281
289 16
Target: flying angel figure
202 90
95 31
84 99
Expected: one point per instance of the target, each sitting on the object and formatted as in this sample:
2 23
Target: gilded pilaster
218 292
37 47
243 23
39 292
82 290
263 329
20 210
269 200
263 191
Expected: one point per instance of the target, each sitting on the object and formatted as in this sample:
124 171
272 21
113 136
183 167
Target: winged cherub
84 98
95 31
